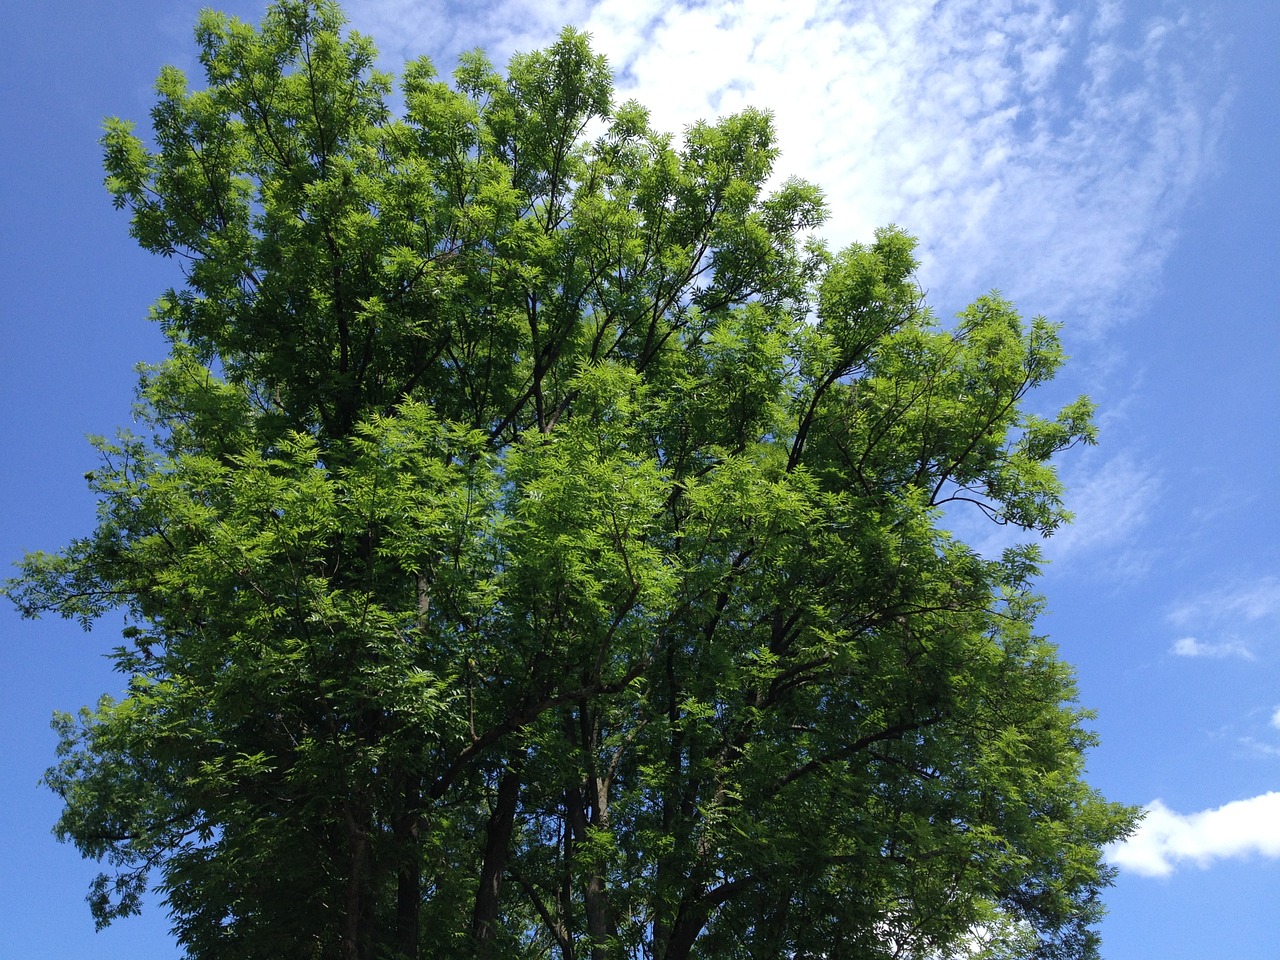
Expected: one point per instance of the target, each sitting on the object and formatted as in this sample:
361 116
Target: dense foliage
534 544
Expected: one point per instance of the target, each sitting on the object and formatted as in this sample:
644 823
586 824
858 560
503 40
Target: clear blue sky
1115 165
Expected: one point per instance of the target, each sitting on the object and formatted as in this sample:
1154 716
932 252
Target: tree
536 544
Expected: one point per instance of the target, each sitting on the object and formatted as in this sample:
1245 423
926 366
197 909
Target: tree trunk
408 873
600 921
356 943
497 842
689 923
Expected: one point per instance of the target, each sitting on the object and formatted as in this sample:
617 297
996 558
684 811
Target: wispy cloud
407 29
1238 616
1166 839
1259 748
1111 500
1191 647
1042 146
1249 602
1265 744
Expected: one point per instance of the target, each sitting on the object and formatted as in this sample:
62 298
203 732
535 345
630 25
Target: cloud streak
1167 839
1191 647
1248 602
1111 500
1240 616
1046 147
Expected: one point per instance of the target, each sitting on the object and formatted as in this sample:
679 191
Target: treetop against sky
532 543
1050 149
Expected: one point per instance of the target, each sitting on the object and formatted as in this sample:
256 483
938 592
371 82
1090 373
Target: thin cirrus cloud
1250 602
1242 614
1045 147
1167 839
1192 647
1111 500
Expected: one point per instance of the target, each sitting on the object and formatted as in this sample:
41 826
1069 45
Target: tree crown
535 543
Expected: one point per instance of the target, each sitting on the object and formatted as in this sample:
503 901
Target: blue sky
1114 165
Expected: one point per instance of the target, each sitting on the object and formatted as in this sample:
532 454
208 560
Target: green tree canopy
534 544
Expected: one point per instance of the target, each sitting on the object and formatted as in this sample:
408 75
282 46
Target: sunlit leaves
536 544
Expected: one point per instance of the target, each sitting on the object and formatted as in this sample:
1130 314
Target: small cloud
1165 838
1243 615
1250 602
1191 647
1275 718
1256 748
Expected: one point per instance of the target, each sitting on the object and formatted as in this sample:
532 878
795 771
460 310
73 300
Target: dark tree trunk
497 842
600 921
356 940
408 874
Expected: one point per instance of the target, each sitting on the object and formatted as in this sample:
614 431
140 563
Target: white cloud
1032 145
1258 748
1239 616
1165 839
1275 718
1110 502
1191 647
1250 602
